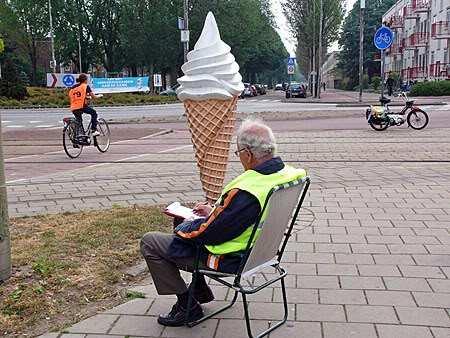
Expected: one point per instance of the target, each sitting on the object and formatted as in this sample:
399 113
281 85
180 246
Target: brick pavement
374 263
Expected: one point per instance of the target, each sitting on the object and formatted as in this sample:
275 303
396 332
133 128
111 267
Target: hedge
431 88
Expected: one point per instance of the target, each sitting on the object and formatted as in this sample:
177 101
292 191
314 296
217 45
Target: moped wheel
103 140
71 147
382 125
417 119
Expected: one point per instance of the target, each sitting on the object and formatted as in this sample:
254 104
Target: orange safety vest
77 96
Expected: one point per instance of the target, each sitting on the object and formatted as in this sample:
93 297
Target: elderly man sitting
225 228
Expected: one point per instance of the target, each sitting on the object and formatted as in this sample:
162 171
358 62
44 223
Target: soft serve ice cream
211 71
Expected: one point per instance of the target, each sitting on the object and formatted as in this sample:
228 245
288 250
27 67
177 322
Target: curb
361 104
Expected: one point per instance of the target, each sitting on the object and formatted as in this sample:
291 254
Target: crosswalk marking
14 126
34 121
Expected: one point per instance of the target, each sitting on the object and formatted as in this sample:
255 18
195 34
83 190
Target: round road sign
383 38
68 80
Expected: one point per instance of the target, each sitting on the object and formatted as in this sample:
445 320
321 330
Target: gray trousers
165 270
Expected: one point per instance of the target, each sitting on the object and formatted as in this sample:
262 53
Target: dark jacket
238 211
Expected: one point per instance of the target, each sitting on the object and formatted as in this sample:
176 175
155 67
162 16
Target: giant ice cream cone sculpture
209 90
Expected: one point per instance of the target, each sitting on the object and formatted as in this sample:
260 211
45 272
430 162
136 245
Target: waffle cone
211 123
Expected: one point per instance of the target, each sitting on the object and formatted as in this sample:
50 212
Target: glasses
239 150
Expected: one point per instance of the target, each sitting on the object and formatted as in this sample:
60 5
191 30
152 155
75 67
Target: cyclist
79 96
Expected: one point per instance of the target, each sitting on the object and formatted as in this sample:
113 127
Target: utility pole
53 62
5 244
186 27
314 51
319 68
361 46
79 47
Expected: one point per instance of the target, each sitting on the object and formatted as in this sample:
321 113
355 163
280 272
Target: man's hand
202 209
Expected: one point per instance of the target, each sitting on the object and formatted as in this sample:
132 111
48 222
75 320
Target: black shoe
205 295
177 316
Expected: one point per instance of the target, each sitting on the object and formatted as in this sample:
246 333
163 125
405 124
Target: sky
283 30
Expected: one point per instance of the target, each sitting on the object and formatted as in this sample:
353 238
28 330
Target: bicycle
75 137
380 118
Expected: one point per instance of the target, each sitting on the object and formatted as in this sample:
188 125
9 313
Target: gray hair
258 137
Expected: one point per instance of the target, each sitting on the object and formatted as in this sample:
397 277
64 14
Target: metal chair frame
237 285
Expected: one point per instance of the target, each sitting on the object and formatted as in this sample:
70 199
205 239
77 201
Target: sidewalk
350 98
374 263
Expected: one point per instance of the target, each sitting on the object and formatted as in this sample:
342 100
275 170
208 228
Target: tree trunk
5 245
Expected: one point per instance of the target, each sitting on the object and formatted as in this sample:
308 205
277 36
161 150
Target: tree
303 18
2 46
10 84
348 59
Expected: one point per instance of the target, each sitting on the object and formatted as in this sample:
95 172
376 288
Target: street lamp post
361 46
186 28
319 68
53 62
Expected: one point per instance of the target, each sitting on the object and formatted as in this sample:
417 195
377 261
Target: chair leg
192 324
278 324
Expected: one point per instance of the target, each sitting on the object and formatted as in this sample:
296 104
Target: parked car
278 86
171 91
261 89
296 90
247 92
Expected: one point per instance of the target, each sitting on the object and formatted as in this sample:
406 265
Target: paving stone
228 328
317 257
406 284
407 248
440 332
362 283
348 239
348 330
313 238
423 316
336 269
202 330
354 258
369 248
73 335
133 307
342 297
371 314
394 259
384 239
334 248
49 335
297 330
300 268
400 298
297 296
439 285
137 326
100 323
433 260
430 299
320 312
403 331
421 271
378 270
420 240
319 282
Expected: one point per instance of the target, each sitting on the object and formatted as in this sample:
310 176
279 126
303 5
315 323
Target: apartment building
421 44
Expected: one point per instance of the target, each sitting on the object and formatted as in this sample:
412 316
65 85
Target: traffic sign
383 38
184 35
68 80
291 61
291 69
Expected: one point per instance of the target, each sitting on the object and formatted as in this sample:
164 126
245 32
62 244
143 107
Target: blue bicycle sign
383 38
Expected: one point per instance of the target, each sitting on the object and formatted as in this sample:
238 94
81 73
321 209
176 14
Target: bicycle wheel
417 119
71 147
379 125
102 141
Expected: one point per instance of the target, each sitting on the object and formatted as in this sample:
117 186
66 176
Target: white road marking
15 126
34 121
172 149
6 121
162 132
45 126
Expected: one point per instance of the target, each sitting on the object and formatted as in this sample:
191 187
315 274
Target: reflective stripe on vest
258 185
77 96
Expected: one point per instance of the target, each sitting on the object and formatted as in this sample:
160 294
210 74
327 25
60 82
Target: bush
10 84
376 81
431 88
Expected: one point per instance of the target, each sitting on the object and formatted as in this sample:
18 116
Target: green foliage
2 46
349 39
365 81
431 88
375 82
10 84
304 22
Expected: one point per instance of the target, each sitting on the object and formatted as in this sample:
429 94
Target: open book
175 209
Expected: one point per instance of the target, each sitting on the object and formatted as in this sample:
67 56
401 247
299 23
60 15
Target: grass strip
68 266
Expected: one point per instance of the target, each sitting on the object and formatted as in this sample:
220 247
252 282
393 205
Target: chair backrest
284 203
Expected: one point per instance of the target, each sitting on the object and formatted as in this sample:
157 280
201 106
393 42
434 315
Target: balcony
416 40
396 21
421 6
440 30
409 12
439 70
396 48
414 73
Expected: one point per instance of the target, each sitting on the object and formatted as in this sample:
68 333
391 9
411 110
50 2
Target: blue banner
103 85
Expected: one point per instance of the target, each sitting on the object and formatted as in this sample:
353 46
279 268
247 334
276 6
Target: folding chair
283 204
